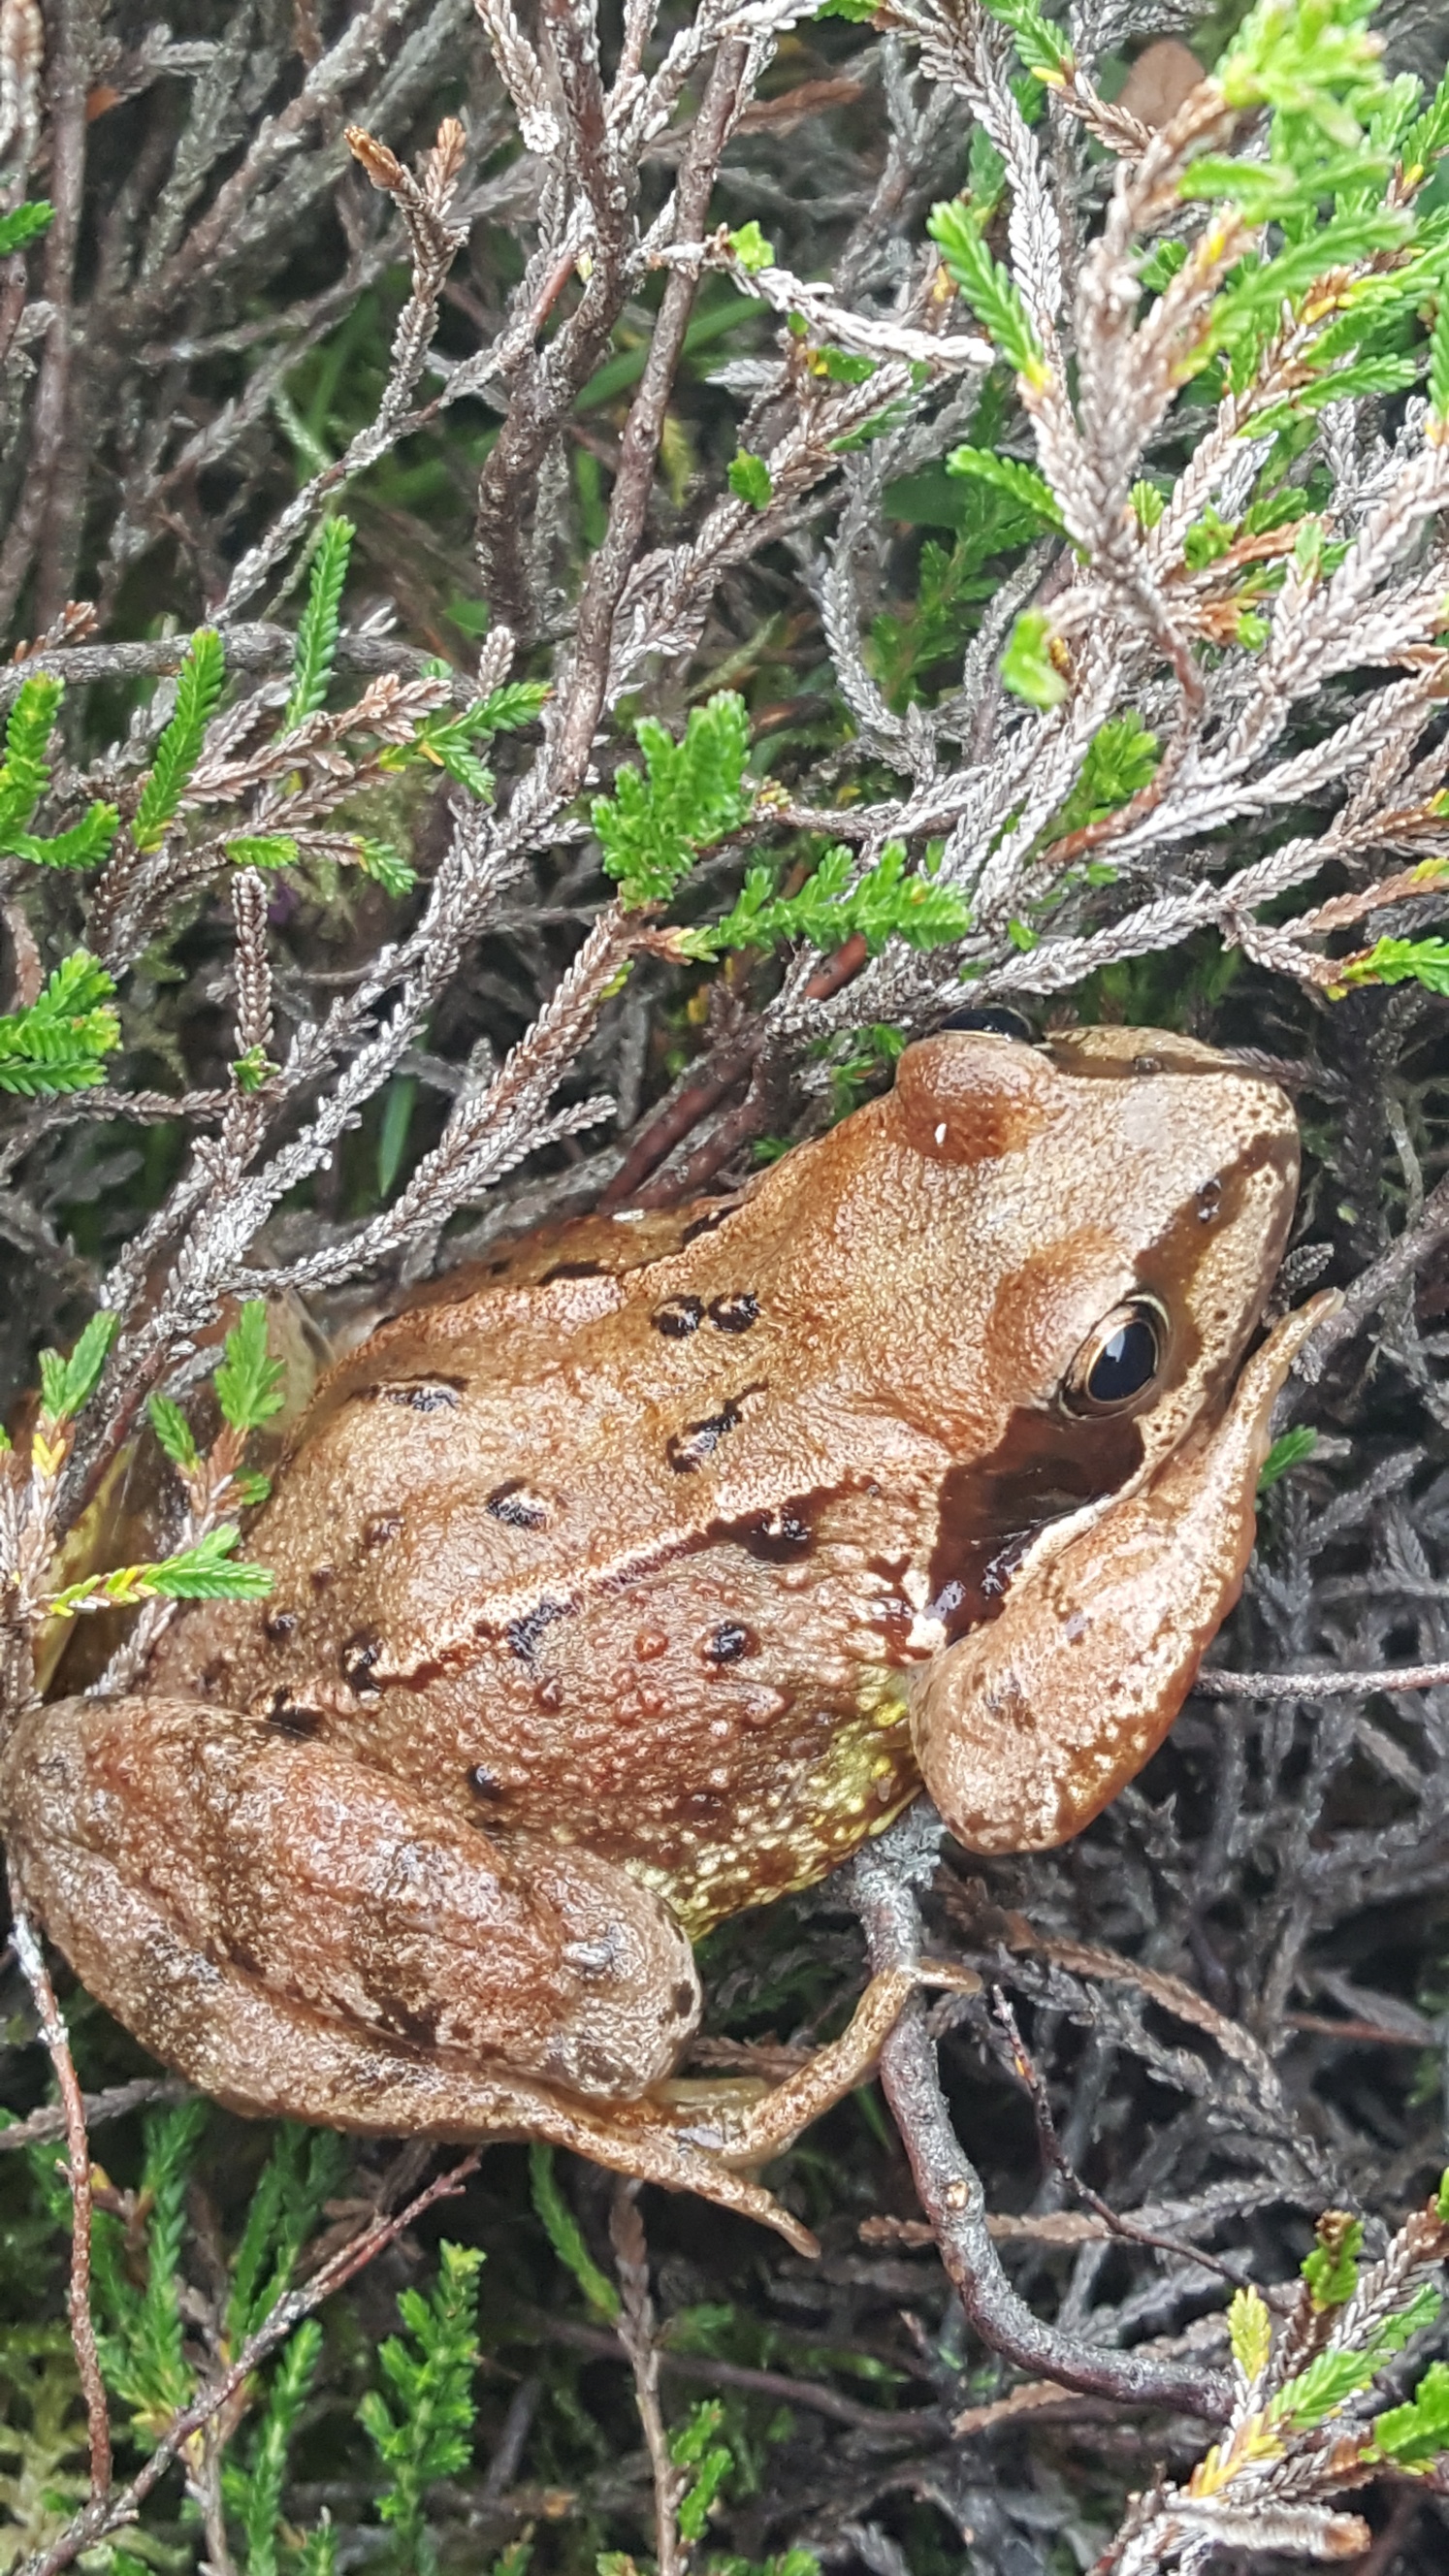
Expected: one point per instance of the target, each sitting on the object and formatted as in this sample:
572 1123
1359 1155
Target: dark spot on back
727 1643
780 1536
678 1317
279 1625
359 1654
570 1270
418 2026
706 1224
286 1718
212 1675
321 1576
683 1998
735 1313
688 1449
418 1394
523 1634
517 1505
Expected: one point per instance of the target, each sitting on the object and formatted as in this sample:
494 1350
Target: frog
642 1573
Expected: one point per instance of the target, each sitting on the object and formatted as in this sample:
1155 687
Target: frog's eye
1118 1361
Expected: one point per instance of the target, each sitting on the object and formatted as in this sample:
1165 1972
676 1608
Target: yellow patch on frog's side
866 1775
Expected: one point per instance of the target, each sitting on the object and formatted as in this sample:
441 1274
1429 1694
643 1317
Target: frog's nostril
279 1625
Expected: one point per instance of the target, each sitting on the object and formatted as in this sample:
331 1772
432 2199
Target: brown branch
635 2328
639 445
106 2513
70 28
112 2104
1405 1255
255 647
78 2175
952 2197
1219 1684
1110 2222
737 1129
678 1118
875 2423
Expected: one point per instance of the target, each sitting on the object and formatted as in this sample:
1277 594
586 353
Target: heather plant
575 579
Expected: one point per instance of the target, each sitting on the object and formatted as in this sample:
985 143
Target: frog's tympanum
649 1576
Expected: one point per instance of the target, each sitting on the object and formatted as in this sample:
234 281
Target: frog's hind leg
288 1869
304 1938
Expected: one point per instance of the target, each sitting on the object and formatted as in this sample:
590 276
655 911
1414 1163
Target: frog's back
576 1554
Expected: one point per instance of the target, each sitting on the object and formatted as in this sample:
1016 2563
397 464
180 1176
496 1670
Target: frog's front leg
1030 1726
279 1921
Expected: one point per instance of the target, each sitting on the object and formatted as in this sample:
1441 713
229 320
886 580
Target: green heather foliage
689 793
988 288
564 2233
749 478
1027 667
1042 47
321 620
199 685
25 779
1288 1451
1021 483
1331 2270
834 905
420 2429
249 1383
24 224
1389 961
67 1385
262 850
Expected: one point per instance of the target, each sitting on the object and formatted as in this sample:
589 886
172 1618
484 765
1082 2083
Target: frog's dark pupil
1124 1364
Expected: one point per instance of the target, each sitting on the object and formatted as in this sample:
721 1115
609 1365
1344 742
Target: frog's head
1080 1240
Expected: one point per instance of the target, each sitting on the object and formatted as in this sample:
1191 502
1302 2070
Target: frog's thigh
1027 1728
205 1874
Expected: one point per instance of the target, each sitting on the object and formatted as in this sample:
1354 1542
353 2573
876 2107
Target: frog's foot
286 1870
1027 1728
746 2123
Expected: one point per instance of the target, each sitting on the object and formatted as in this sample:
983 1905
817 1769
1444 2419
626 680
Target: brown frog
645 1579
